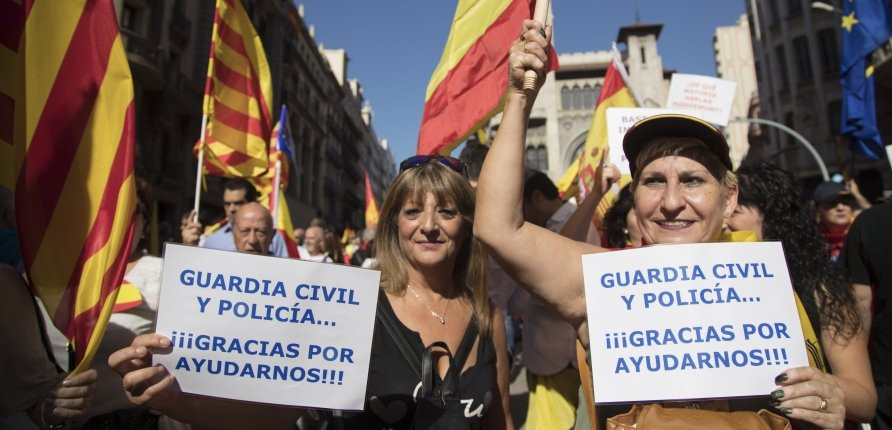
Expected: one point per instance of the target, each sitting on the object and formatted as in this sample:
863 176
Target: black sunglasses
453 163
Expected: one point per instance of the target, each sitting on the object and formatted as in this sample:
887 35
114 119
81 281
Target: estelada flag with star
468 86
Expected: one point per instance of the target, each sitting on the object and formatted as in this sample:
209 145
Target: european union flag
865 26
285 144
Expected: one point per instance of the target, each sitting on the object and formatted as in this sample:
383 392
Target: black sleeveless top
393 385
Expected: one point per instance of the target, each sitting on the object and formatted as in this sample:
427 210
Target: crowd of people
477 253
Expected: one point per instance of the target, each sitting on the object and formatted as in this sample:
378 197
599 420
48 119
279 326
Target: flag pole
198 170
274 195
540 14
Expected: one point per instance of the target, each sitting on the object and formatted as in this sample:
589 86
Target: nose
673 201
428 222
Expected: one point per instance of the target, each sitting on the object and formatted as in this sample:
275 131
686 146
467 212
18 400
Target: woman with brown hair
433 313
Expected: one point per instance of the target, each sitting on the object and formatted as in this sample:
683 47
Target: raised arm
578 225
151 386
545 263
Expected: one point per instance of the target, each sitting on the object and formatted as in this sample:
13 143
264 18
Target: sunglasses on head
453 163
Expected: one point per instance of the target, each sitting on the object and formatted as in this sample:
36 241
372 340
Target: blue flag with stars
865 26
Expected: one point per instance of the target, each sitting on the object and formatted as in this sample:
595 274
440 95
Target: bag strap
387 319
588 390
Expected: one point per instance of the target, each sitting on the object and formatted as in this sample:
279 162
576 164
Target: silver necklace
435 315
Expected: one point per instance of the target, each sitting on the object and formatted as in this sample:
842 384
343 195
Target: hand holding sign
145 385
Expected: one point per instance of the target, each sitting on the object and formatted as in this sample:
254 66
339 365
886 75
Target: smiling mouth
674 224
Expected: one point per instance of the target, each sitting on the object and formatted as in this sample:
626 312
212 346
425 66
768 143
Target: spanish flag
238 97
614 93
371 208
468 86
279 148
74 142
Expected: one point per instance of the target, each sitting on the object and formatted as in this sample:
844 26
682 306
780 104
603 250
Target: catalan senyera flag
74 148
11 17
275 201
238 97
467 88
371 208
614 93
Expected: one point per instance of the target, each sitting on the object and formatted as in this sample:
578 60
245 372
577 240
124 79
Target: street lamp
795 135
825 7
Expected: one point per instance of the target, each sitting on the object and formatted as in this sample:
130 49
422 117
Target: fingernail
786 411
777 394
774 403
66 383
780 378
542 32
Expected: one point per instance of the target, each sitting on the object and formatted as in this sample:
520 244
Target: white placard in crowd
618 122
711 97
266 329
695 321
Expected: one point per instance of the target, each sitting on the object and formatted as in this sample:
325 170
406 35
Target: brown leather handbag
654 416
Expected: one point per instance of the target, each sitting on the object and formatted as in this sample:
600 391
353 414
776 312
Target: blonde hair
688 147
469 274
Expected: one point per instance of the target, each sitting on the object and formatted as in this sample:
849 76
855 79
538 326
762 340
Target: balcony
145 58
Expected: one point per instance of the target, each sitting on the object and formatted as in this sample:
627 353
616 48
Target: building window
543 158
588 99
128 17
794 8
597 93
775 11
829 52
577 97
565 98
834 115
782 68
643 56
532 157
803 60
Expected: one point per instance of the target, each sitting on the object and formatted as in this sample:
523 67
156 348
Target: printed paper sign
712 97
266 329
618 122
697 321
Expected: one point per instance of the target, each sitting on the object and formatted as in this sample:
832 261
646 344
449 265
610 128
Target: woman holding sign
683 187
433 363
773 206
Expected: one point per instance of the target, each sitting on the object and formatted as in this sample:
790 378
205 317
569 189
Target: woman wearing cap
433 291
773 206
682 186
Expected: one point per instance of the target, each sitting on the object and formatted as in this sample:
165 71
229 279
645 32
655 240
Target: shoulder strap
387 319
464 348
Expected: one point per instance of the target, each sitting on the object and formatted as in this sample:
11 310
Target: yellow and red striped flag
279 148
74 144
238 97
614 93
468 85
10 32
371 208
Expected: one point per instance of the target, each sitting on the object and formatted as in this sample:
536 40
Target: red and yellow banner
238 97
371 208
614 93
11 17
468 85
74 147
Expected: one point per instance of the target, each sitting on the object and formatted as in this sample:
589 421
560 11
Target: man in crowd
299 234
313 240
549 342
866 258
236 193
252 229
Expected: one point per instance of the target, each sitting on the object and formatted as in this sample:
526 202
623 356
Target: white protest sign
266 329
695 321
712 97
618 122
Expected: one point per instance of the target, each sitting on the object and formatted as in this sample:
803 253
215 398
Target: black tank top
392 384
